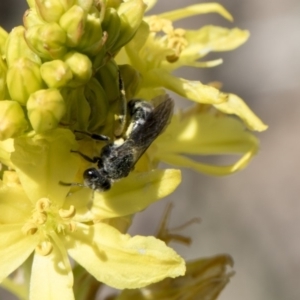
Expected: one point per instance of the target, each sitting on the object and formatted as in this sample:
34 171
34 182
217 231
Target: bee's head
94 179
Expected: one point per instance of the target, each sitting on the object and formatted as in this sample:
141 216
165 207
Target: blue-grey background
253 215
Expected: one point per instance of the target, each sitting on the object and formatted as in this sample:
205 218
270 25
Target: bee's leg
94 136
122 109
93 160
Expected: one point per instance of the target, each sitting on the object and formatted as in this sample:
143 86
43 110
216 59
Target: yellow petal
43 161
212 38
135 193
235 105
181 161
203 133
15 248
14 205
121 261
197 9
193 90
49 277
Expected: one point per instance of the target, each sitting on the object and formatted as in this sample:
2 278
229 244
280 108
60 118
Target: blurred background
253 215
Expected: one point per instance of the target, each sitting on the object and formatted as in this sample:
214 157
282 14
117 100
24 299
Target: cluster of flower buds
59 67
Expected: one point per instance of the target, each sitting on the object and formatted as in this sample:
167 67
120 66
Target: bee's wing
143 136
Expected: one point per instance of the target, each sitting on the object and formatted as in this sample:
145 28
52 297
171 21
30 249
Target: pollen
173 39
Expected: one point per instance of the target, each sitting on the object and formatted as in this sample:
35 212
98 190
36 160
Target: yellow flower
156 51
201 130
40 216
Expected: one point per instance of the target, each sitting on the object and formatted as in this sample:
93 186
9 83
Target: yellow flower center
173 39
46 218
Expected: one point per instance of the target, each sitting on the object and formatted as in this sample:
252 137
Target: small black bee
117 159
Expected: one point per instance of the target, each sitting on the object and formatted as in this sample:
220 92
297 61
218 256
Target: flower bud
12 119
131 14
97 99
86 5
78 109
56 73
45 109
31 18
72 22
3 87
81 67
23 78
112 25
108 77
52 10
47 40
16 47
113 3
91 41
3 37
31 3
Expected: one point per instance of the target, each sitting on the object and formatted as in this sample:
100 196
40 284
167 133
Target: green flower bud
3 87
52 10
3 37
131 14
23 78
31 3
131 78
108 77
112 25
113 3
100 59
78 109
97 99
45 109
12 119
91 41
81 67
16 47
72 22
56 73
31 18
85 4
47 40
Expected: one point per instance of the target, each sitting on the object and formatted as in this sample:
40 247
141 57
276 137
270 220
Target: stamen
67 213
43 204
40 218
44 248
29 228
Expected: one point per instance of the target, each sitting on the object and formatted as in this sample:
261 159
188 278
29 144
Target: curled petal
193 90
235 105
121 261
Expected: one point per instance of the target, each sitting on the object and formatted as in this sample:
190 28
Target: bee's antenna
71 184
94 136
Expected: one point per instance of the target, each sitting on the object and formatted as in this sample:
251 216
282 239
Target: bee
118 158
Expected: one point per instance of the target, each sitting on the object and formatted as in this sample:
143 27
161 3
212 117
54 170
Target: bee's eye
91 174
